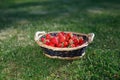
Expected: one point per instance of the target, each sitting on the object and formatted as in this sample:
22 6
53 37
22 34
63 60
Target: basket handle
38 34
91 37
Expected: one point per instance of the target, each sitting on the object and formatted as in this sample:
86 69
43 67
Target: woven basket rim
65 58
63 49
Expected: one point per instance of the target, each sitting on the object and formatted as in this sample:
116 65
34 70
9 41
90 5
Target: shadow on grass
47 10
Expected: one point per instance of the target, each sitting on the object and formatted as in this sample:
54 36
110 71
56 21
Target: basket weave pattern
65 53
72 53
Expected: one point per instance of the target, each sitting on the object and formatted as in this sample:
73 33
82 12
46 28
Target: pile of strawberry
62 40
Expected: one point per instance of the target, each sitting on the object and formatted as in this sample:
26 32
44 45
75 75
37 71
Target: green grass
22 59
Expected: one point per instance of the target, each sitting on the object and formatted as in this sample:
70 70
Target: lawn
22 59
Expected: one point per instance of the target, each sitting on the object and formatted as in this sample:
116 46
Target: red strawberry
48 36
70 35
72 45
74 37
59 34
67 37
76 41
47 42
51 44
62 38
81 41
42 39
54 40
65 44
62 33
60 45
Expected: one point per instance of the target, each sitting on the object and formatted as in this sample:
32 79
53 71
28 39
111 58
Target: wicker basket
64 53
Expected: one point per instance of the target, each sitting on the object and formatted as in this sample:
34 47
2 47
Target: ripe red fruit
81 41
62 38
60 45
59 34
72 45
65 44
67 37
48 36
62 33
76 45
51 44
74 37
54 40
70 35
42 39
75 40
47 42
